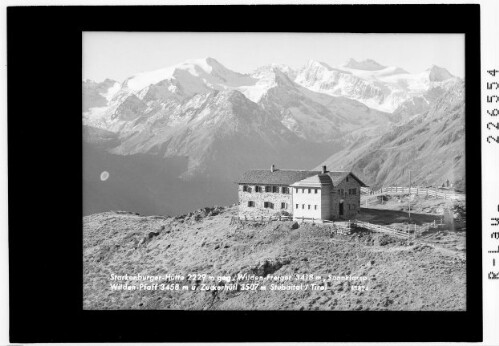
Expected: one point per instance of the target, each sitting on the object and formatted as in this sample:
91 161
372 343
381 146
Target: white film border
490 168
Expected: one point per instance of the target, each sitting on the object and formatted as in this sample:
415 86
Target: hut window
303 206
275 189
315 207
315 190
285 190
251 204
245 188
283 205
297 206
268 188
309 190
309 207
268 205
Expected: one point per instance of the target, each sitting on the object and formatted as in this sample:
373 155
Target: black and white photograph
253 171
274 171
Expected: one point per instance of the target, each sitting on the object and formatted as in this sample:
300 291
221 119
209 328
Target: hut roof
277 177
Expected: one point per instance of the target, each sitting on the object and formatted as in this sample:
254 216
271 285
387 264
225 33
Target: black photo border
45 170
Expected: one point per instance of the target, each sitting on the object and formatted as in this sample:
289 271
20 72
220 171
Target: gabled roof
277 177
334 178
317 180
358 180
337 177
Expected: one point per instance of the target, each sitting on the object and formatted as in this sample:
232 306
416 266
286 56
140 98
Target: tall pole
410 183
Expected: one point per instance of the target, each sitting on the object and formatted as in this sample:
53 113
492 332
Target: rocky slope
430 145
399 274
96 95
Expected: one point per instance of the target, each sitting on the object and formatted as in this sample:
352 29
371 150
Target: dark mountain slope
431 145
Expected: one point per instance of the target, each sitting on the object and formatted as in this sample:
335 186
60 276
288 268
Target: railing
236 219
420 191
382 229
406 231
345 227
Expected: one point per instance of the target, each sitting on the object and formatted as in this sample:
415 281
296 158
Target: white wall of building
307 203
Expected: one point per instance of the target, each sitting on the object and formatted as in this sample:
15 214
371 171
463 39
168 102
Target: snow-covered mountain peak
367 65
270 69
314 65
438 74
144 79
383 88
206 70
266 78
317 64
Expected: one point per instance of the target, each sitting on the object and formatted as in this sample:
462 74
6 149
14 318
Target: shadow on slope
146 184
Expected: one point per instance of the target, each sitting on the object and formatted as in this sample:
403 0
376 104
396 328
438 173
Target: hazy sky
118 55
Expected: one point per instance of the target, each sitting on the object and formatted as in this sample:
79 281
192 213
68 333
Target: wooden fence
345 227
382 229
404 231
236 219
420 191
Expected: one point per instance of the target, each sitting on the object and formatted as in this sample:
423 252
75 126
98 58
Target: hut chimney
272 168
324 170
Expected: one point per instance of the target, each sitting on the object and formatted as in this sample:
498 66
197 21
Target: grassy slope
402 275
431 145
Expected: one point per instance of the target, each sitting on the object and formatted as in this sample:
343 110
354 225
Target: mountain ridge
207 123
430 144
